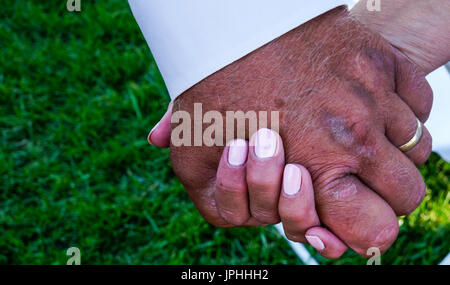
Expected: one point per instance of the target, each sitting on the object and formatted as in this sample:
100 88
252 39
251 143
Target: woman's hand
245 181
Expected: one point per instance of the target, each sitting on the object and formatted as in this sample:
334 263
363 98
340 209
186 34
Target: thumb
160 134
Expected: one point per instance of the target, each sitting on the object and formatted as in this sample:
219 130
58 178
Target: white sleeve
191 39
440 116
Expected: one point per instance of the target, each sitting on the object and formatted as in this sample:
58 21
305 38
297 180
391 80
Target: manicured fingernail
237 155
292 179
168 113
266 143
149 138
316 242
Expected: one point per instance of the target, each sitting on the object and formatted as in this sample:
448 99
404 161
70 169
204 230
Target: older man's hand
339 89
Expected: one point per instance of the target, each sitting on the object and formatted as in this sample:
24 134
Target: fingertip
159 136
266 144
236 152
292 180
296 179
149 137
326 243
316 242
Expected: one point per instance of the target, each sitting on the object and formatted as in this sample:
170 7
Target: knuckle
340 190
260 183
230 186
265 216
325 173
304 217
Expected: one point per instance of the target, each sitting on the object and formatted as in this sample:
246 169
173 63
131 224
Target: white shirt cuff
192 39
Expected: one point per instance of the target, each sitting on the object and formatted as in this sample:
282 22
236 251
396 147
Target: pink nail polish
266 143
292 179
237 154
149 137
315 242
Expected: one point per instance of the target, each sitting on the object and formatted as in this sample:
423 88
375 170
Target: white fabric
191 39
439 122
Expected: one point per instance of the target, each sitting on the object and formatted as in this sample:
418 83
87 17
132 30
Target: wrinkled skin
339 89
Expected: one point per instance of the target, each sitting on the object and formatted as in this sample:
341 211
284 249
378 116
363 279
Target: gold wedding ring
414 140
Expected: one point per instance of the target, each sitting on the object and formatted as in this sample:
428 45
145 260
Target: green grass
78 94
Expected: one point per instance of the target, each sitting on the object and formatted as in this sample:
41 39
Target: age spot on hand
339 131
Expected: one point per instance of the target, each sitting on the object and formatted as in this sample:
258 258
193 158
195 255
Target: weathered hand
339 89
296 205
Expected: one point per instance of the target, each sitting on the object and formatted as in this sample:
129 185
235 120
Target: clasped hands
334 174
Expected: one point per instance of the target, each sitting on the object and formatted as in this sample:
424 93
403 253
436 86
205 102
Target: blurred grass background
78 94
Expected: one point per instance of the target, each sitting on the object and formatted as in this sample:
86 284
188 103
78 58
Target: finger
203 196
402 126
422 151
413 88
231 184
325 242
264 174
299 216
160 134
356 214
296 206
386 170
204 201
